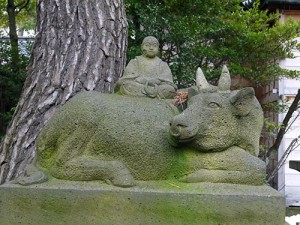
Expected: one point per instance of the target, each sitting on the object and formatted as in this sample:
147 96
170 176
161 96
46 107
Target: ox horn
225 80
201 81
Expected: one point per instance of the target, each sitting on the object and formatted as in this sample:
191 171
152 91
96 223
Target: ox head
217 118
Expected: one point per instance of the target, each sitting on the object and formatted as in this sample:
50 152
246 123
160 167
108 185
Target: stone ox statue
122 139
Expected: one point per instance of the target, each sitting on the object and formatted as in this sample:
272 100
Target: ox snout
181 130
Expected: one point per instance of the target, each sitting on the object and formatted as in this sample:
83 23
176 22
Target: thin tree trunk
80 45
285 123
13 36
272 152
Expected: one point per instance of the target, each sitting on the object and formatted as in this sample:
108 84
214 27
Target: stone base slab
150 203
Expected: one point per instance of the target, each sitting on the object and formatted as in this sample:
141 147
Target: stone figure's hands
152 82
150 90
141 80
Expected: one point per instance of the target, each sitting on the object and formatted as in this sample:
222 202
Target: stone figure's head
150 47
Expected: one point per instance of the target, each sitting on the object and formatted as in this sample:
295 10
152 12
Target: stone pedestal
150 203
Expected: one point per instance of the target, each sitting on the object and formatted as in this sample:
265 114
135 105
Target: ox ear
243 101
225 80
201 81
192 91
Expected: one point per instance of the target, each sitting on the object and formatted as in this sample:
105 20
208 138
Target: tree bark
80 45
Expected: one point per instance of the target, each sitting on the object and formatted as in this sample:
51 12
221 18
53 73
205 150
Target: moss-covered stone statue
147 75
123 139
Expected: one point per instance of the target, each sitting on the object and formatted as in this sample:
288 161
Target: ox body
123 139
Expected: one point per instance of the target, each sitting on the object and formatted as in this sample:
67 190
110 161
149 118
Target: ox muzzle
182 130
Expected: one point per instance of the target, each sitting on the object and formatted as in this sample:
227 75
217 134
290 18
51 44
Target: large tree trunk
80 45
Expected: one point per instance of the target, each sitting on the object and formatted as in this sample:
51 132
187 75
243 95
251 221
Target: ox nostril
175 133
175 123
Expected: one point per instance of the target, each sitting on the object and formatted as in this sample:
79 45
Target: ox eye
214 105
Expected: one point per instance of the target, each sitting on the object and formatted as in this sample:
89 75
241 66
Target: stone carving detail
123 139
147 75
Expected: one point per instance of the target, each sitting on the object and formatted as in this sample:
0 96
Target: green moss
152 203
47 158
179 166
51 204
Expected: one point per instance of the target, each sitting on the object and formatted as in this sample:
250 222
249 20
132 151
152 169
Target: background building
288 180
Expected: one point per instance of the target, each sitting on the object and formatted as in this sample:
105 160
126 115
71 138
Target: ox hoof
123 181
35 178
202 175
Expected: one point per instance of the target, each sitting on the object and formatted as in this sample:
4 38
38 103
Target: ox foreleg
85 169
233 165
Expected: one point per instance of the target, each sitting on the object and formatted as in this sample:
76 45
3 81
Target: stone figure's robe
147 77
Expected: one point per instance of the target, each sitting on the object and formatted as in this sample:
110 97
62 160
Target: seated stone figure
147 75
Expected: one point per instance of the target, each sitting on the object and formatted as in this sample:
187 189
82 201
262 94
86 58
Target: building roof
281 4
291 4
280 1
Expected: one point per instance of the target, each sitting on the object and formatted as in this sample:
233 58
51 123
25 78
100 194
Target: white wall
289 179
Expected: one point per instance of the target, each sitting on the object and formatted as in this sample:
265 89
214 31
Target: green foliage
11 81
271 127
212 33
25 18
13 72
277 107
3 14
